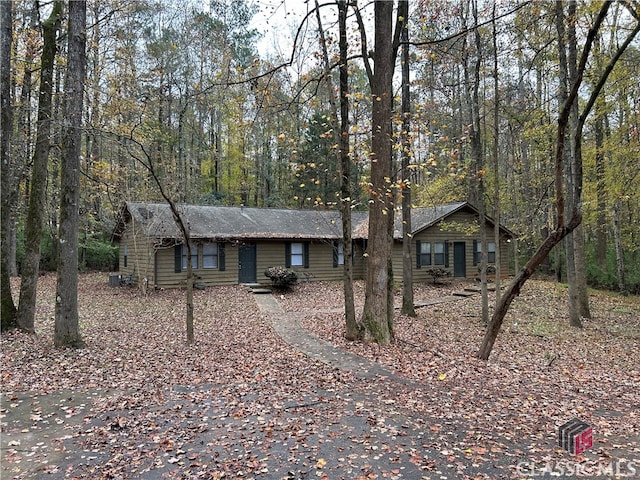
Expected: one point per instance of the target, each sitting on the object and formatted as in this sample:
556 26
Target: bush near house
437 273
282 278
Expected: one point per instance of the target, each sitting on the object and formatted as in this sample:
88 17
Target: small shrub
282 278
491 269
437 273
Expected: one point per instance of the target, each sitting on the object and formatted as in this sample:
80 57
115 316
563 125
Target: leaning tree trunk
514 288
8 308
35 213
562 228
67 325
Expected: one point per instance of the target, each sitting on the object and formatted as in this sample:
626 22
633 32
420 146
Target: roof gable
425 217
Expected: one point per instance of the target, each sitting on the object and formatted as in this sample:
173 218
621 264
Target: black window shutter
418 259
221 256
306 254
446 254
335 254
475 252
287 254
177 251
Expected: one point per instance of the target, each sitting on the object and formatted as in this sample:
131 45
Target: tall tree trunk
340 127
580 292
601 192
38 184
407 262
472 86
8 308
496 161
22 135
567 75
353 330
376 317
67 325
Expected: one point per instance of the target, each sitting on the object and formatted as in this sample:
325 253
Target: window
210 255
438 253
126 255
297 254
491 252
425 253
338 254
194 257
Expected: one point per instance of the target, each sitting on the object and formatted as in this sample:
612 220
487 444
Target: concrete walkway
287 325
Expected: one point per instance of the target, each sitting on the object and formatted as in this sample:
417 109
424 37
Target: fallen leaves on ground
139 402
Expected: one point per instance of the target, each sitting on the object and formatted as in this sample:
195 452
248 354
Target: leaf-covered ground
241 403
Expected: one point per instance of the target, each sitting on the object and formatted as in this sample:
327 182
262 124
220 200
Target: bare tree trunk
582 291
568 74
496 161
340 127
38 184
375 318
8 309
353 330
622 284
22 135
67 326
407 261
472 86
601 192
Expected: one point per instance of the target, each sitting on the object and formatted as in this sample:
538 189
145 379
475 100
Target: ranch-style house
232 245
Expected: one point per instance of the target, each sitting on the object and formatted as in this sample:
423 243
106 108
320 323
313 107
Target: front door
247 264
459 259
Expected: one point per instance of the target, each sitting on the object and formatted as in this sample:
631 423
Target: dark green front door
459 259
247 263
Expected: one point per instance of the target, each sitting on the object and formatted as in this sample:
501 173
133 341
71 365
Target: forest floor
241 402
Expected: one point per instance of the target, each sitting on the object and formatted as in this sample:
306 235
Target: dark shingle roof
218 222
239 222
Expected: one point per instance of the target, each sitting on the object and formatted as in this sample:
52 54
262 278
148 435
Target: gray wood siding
139 249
